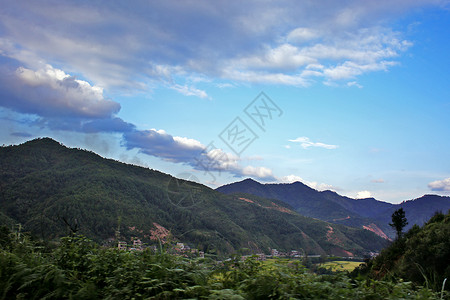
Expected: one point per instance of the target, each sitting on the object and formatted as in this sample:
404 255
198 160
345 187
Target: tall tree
399 221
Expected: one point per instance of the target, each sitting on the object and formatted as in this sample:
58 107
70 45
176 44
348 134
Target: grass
335 265
273 262
341 265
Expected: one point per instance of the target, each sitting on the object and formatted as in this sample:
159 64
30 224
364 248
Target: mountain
331 207
53 190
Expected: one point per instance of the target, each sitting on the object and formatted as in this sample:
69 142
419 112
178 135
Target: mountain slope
306 201
302 198
50 189
329 206
422 255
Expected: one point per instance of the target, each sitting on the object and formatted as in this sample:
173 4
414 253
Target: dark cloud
191 152
163 145
61 101
108 125
22 134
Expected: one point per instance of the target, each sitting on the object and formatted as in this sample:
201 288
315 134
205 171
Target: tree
399 221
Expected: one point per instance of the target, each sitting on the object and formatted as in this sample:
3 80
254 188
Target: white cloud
305 143
189 91
302 34
351 69
332 56
291 178
53 93
283 57
188 143
259 172
224 85
363 195
216 159
354 83
440 185
219 160
265 77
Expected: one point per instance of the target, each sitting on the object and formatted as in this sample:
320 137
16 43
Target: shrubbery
421 256
77 268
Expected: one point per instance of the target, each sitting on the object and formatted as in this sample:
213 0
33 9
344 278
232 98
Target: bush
80 269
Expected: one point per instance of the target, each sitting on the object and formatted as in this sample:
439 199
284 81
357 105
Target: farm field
341 265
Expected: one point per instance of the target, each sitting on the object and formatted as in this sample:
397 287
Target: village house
122 245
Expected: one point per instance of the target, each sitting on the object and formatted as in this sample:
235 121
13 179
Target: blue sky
351 96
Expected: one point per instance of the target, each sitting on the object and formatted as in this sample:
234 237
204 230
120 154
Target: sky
351 96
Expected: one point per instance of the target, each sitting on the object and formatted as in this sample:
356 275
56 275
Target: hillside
422 256
331 207
51 189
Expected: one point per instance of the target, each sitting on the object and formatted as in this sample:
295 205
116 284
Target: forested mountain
51 190
331 207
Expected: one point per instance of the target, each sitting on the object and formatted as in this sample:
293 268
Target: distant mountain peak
43 141
246 182
298 183
250 180
367 199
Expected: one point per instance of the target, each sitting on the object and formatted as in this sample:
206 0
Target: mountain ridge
331 207
51 190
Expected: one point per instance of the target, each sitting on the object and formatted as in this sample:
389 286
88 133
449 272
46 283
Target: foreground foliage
77 268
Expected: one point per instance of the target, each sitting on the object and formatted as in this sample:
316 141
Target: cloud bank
133 46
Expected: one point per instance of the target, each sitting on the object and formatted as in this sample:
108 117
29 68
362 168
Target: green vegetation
77 268
341 265
53 190
421 255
